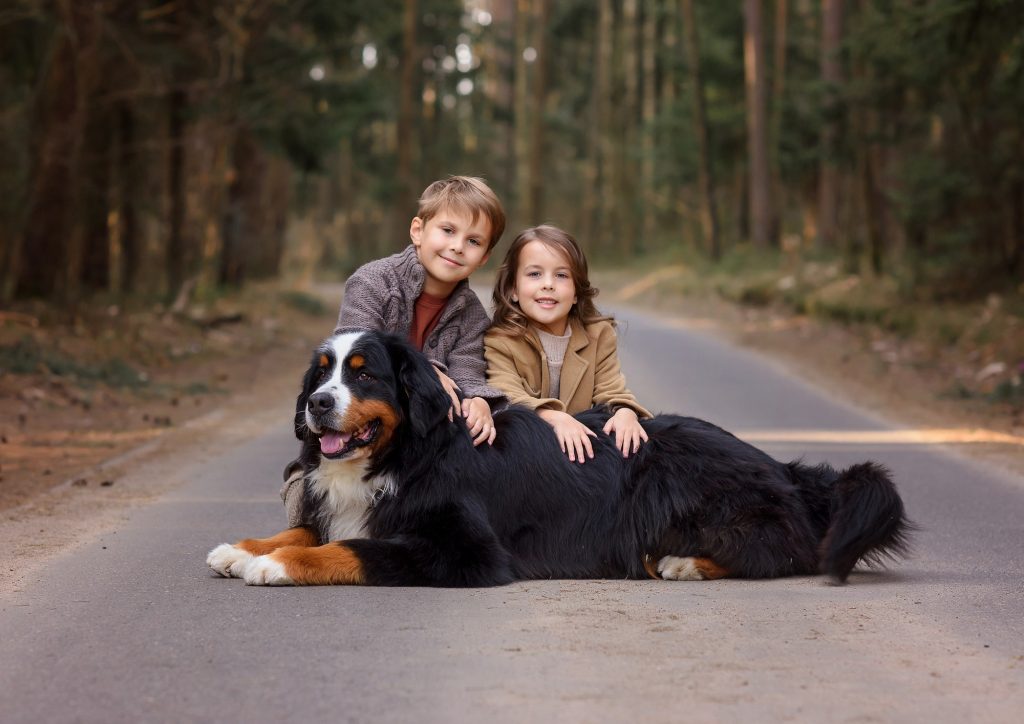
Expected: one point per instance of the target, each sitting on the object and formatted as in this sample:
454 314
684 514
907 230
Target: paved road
132 627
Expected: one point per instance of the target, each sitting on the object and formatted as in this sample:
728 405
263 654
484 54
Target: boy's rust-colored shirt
382 295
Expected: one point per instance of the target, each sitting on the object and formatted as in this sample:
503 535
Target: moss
26 356
305 303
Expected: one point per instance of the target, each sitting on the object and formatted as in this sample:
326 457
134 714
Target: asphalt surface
133 627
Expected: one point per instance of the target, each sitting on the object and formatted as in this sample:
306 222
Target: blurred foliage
140 136
305 303
27 356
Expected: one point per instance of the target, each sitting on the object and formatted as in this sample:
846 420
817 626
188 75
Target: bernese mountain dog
395 494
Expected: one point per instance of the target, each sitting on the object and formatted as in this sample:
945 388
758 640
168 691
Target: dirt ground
85 400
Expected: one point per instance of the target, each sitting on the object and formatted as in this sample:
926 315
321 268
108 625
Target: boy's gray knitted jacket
382 295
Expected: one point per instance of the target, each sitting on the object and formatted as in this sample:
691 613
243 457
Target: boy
423 293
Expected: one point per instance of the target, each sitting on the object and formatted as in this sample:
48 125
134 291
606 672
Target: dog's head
361 387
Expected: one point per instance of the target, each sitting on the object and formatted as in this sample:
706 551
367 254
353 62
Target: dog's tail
867 521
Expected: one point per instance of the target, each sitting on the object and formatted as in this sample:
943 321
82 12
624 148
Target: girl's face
544 287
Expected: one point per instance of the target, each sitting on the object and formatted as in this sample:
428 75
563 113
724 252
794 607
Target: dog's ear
423 399
308 383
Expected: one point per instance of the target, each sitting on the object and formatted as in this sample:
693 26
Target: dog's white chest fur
347 496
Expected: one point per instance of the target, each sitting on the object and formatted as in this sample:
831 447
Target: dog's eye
364 377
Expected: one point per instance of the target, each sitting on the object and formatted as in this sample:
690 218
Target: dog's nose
321 402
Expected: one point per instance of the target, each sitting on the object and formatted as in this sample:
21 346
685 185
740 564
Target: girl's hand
478 419
573 436
627 429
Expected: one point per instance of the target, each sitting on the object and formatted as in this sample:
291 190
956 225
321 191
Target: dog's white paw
265 571
674 568
228 560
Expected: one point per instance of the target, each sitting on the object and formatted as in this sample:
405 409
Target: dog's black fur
459 515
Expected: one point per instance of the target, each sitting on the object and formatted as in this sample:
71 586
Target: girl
551 350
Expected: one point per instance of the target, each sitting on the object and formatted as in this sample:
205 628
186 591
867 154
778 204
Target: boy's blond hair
464 193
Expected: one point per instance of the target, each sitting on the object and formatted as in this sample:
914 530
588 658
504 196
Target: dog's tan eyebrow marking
356 361
324 360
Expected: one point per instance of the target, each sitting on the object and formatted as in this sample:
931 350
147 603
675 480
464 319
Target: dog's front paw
265 571
228 560
674 568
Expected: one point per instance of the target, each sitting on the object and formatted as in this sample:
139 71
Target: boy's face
451 246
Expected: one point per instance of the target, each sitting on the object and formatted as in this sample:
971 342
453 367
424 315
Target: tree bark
522 112
176 247
245 228
831 76
47 248
757 136
649 107
705 175
628 113
668 191
778 201
501 70
591 165
96 203
407 103
129 183
534 208
606 225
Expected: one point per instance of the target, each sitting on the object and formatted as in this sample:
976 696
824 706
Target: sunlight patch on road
916 436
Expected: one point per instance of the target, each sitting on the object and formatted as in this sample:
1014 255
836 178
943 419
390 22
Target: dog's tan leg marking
673 568
231 561
331 564
651 566
299 536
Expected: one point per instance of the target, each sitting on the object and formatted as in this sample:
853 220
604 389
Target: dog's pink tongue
332 442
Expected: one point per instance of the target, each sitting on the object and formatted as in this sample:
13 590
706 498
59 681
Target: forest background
859 160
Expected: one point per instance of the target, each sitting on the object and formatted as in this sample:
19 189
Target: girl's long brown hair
508 317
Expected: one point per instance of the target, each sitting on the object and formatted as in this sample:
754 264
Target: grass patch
26 356
201 388
1009 392
304 302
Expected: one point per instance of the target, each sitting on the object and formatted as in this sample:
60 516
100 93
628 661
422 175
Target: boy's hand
627 429
478 419
573 436
452 389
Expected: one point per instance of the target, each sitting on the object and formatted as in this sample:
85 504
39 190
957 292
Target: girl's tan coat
590 372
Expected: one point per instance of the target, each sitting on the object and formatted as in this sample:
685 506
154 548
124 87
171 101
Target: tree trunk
244 225
591 165
869 163
628 113
129 183
176 247
96 203
407 103
831 76
501 71
606 226
58 130
275 201
522 113
705 175
778 201
534 209
757 136
668 192
649 111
